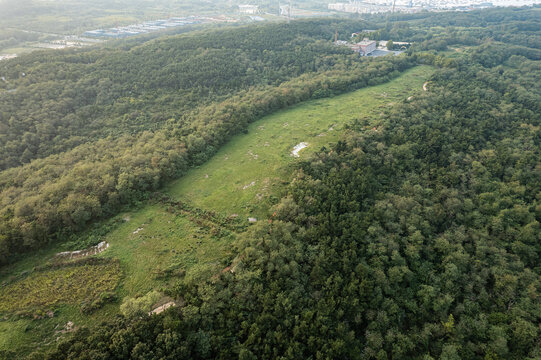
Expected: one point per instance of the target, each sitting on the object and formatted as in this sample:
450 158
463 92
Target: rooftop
366 42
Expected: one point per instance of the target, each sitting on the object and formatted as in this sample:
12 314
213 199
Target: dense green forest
416 236
63 100
147 123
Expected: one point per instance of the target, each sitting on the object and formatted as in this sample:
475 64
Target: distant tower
336 36
289 12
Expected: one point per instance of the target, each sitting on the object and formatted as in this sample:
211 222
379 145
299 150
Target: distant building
249 9
337 6
145 27
364 47
358 7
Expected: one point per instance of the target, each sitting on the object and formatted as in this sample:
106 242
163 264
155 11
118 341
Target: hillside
155 244
150 134
299 202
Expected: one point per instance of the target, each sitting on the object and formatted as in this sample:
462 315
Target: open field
44 289
242 177
163 241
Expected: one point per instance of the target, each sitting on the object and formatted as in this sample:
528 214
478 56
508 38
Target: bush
132 307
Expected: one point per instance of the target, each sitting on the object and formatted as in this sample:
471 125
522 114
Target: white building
337 6
249 9
365 47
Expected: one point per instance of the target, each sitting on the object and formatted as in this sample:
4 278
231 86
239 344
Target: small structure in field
162 308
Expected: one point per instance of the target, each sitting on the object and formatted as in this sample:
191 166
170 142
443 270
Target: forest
415 236
114 134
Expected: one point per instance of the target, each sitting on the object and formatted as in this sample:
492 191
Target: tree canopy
416 238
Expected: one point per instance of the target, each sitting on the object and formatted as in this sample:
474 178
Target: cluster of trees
416 239
11 38
179 113
438 31
55 101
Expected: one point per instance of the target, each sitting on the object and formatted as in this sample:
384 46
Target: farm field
189 232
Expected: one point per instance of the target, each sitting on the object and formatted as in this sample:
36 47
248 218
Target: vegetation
89 283
188 231
177 238
415 235
56 196
414 238
139 306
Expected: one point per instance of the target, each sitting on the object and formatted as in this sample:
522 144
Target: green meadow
162 241
243 176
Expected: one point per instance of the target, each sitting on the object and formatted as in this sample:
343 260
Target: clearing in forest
241 181
190 234
261 157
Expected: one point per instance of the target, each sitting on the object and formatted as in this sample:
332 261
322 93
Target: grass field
157 243
244 178
245 173
42 290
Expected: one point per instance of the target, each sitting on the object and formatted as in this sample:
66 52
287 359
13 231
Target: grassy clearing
244 178
245 174
71 284
157 244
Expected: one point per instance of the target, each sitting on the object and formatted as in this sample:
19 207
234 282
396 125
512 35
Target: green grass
172 243
167 243
24 335
42 290
12 334
263 155
26 325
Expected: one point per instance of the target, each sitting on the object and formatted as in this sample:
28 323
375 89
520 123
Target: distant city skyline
379 6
